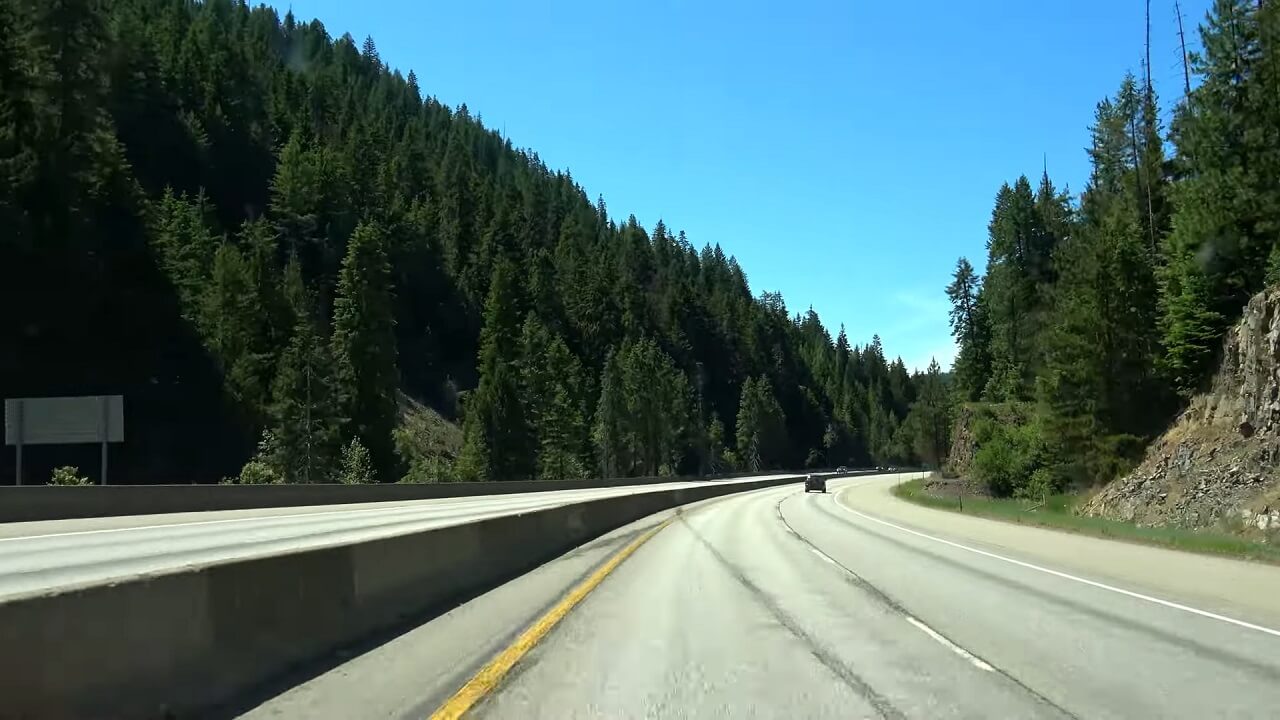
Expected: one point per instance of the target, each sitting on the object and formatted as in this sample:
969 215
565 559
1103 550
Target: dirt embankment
1218 464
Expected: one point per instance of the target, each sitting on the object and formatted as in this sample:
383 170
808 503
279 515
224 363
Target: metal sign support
18 475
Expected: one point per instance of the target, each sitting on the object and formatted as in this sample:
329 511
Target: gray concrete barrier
174 644
45 502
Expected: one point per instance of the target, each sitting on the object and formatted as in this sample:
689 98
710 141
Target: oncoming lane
43 557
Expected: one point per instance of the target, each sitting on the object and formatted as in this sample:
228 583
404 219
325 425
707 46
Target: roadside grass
1059 513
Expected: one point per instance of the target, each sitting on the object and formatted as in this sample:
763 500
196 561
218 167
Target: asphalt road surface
41 557
850 604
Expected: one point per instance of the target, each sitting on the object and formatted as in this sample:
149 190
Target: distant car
816 483
842 469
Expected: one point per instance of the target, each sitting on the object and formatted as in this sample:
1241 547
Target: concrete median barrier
172 645
45 502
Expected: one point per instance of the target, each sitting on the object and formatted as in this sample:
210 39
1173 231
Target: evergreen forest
298 266
1098 316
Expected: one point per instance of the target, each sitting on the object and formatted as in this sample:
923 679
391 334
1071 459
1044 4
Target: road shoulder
1221 585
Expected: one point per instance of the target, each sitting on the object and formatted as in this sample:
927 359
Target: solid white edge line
974 659
1073 578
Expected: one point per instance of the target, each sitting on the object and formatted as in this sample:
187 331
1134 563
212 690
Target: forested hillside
1107 313
275 245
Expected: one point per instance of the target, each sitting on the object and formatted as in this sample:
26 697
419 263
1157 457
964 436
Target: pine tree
658 404
1216 257
748 428
609 434
414 91
296 199
562 426
185 246
1018 249
80 159
258 241
901 390
761 426
1098 385
370 51
1189 325
644 414
473 461
880 427
1263 135
495 412
552 383
295 293
17 155
460 218
930 419
364 349
968 326
1070 387
230 319
842 364
1152 173
304 421
1050 226
717 460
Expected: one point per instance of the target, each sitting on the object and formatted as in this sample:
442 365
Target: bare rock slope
1217 464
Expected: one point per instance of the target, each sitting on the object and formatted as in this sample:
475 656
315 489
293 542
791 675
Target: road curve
777 603
49 556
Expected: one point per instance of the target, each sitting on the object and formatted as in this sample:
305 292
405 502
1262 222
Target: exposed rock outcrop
966 429
963 443
1217 464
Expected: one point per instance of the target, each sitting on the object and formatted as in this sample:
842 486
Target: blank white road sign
64 420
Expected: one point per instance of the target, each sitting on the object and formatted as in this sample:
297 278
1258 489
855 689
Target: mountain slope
259 234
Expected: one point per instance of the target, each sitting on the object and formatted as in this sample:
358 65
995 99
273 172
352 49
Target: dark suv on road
815 482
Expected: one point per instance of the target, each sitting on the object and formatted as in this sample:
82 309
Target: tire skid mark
881 704
1224 656
884 598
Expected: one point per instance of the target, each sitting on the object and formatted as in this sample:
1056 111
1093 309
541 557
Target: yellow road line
492 673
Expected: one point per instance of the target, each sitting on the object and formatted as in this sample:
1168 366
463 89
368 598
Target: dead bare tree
1143 168
1148 111
1182 39
1148 49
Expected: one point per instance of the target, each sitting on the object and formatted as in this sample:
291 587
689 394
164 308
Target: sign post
64 421
18 444
103 428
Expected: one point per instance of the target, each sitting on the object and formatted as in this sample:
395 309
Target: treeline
1107 312
273 244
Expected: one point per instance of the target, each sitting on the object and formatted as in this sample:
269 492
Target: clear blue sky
846 151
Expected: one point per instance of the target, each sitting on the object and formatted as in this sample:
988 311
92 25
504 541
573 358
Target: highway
850 604
48 556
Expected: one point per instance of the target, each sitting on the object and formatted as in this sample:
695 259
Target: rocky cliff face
1217 465
963 443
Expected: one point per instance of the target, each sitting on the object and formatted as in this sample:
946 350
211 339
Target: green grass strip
1058 513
